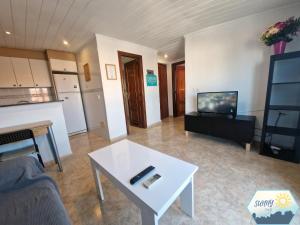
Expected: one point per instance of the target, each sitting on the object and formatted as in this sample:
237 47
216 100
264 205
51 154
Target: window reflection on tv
218 102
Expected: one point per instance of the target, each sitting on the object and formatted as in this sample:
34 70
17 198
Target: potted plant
281 33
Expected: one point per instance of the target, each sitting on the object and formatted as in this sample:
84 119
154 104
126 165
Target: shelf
283 131
284 154
284 107
283 83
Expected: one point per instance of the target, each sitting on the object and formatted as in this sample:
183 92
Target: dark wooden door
134 90
163 90
180 89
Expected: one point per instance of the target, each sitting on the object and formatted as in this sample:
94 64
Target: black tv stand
219 115
239 128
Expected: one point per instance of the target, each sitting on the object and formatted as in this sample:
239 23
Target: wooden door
40 72
23 72
163 90
134 93
180 89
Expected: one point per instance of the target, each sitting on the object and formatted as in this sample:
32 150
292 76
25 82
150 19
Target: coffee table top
125 159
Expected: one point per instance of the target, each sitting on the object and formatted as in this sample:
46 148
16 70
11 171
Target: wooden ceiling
160 24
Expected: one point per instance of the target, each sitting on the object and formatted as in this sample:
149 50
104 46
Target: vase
279 47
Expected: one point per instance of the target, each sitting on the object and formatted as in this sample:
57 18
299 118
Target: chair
16 136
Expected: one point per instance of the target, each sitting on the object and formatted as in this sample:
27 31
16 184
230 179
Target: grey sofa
28 196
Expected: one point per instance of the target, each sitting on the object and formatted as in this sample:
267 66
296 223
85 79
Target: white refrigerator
68 90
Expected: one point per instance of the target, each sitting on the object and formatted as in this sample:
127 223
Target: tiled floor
224 185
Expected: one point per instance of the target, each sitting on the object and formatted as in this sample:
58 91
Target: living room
184 112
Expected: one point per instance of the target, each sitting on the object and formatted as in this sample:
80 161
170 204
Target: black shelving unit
281 126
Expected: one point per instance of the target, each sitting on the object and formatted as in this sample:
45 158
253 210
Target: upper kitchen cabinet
40 72
63 65
7 76
22 72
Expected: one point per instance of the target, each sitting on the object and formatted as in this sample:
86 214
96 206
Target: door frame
174 86
167 88
123 83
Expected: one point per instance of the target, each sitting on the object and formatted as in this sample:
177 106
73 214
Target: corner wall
108 54
92 91
230 56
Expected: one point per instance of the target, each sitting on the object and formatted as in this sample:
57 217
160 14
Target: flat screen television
218 102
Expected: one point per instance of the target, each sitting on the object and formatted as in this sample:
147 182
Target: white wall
230 56
92 91
17 115
108 54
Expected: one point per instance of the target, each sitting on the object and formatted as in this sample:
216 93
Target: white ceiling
160 24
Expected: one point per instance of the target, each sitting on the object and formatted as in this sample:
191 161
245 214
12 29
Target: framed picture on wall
111 72
86 70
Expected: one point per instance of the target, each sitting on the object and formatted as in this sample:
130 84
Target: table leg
148 217
97 175
248 147
187 199
53 147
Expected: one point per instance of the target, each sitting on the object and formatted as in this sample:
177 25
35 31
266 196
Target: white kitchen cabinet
40 73
63 65
22 72
7 76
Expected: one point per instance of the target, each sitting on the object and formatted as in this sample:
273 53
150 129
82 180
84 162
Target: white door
66 83
7 76
22 72
73 112
63 65
40 72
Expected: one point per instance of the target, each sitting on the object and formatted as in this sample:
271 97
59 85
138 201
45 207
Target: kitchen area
41 86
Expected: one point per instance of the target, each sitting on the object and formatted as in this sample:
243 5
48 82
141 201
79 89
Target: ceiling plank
18 12
47 12
6 22
34 8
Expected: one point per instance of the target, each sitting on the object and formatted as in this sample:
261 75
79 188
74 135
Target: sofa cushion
16 172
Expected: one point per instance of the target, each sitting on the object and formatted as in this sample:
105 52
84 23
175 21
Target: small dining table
39 128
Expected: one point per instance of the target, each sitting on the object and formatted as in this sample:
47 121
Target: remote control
141 175
148 183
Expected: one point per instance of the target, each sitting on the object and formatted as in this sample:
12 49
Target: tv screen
218 102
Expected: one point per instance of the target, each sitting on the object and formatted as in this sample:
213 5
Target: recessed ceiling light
66 42
166 56
8 32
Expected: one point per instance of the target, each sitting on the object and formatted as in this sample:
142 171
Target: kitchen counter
30 103
28 113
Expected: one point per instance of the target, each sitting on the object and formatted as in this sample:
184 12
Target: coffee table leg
187 199
148 217
96 173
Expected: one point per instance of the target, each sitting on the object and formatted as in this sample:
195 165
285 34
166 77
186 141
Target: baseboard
52 162
77 132
154 124
119 138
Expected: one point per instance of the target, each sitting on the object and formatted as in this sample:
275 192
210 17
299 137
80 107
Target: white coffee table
121 161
